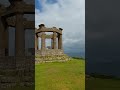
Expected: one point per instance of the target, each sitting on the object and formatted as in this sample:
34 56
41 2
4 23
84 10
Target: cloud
102 37
67 14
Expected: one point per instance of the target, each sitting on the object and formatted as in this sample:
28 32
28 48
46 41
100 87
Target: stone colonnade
56 34
14 17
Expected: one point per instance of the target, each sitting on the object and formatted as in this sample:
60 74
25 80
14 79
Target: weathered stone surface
17 71
49 52
42 33
53 53
53 58
2 52
13 16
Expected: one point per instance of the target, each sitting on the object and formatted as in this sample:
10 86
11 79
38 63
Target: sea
109 67
76 54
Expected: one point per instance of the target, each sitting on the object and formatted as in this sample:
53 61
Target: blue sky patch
51 1
38 5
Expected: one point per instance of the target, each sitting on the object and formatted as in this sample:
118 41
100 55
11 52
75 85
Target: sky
102 25
66 14
102 29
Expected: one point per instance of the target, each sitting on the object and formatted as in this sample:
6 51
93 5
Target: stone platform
50 55
16 71
49 52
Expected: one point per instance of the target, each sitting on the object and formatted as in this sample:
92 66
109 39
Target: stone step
53 58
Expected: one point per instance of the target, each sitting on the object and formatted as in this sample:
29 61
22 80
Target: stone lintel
46 36
48 30
27 24
18 7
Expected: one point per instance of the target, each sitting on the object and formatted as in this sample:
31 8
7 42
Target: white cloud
67 14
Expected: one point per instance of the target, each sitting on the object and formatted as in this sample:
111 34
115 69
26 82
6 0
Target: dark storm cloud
4 2
102 36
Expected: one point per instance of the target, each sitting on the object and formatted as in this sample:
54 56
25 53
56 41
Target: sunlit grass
68 75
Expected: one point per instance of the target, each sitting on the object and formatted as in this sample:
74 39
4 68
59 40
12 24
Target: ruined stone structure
13 16
55 51
57 33
21 65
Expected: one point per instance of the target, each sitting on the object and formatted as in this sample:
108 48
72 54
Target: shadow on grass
96 75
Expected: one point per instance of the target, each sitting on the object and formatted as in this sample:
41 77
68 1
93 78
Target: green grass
68 75
19 88
102 84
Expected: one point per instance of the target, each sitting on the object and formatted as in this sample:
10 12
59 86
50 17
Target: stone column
19 36
36 42
43 41
60 41
54 40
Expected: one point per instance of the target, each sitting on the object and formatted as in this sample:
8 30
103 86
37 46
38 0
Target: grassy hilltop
68 75
102 84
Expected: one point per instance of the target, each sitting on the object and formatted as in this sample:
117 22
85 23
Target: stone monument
19 69
55 51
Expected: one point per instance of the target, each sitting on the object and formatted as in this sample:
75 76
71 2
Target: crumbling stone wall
55 51
52 58
51 55
48 52
16 71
